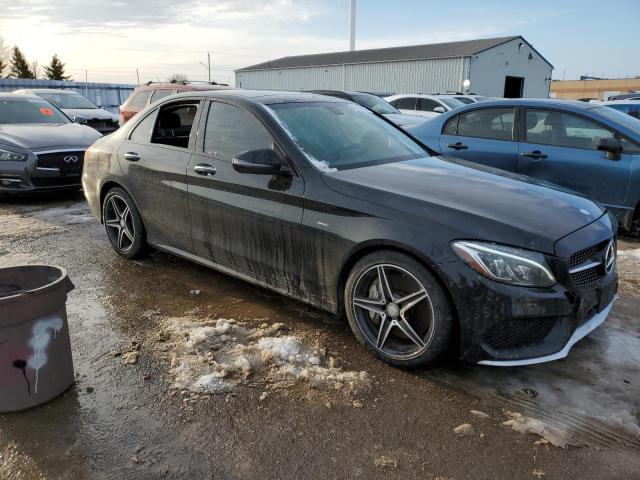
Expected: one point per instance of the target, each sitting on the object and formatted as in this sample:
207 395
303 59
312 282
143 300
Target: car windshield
621 118
341 135
451 102
68 100
376 104
29 110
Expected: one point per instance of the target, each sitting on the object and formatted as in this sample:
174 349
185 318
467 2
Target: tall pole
352 26
138 76
86 83
209 65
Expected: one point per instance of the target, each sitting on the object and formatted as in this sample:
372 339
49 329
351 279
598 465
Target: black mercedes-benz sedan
40 148
325 201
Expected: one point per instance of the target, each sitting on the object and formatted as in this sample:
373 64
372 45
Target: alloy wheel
394 311
119 223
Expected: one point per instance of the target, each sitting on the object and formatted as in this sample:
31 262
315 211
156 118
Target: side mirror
80 120
613 147
439 110
260 162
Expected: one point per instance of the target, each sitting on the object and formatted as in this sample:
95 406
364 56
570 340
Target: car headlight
9 156
506 264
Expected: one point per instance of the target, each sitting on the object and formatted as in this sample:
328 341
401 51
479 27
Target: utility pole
352 26
86 83
209 65
138 76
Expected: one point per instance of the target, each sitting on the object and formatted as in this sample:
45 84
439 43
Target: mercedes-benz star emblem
609 257
69 159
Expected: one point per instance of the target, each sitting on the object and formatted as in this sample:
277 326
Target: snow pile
215 356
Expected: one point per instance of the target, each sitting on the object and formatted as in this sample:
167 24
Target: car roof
265 97
13 96
534 102
185 86
620 102
50 90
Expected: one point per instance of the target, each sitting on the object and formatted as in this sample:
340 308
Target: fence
106 95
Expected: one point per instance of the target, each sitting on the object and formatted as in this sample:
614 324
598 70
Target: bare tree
4 56
177 78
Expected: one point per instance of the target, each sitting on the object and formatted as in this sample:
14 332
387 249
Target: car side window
561 129
139 100
491 123
451 127
160 93
406 103
141 133
428 105
174 124
231 130
630 147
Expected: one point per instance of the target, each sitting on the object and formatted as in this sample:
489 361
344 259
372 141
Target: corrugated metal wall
107 95
407 76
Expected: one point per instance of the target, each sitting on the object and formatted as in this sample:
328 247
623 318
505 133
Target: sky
110 39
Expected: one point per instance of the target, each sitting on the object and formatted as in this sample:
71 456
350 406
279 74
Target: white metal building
496 67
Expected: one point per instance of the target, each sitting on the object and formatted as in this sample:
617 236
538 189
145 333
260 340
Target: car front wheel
123 224
397 309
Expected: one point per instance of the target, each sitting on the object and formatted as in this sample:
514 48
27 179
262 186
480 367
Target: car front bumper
30 176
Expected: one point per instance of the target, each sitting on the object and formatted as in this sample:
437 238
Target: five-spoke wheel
397 308
123 223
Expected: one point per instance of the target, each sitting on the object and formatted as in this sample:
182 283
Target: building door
513 87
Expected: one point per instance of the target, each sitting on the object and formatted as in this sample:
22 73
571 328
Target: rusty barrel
35 349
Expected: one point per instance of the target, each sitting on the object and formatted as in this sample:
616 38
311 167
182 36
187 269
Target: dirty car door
249 223
560 147
482 135
155 171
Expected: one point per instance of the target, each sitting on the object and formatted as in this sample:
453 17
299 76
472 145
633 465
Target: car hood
403 120
43 135
476 203
89 113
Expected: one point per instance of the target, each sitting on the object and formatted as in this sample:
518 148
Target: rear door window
174 124
160 93
562 129
491 123
428 105
139 100
407 103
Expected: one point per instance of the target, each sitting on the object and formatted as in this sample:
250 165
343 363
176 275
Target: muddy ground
149 348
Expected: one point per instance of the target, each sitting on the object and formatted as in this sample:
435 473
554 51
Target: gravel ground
284 390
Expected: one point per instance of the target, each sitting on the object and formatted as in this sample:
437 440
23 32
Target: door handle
205 170
458 146
536 155
132 156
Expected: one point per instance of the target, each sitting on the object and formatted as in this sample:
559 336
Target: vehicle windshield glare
68 100
344 135
451 102
29 110
617 116
376 104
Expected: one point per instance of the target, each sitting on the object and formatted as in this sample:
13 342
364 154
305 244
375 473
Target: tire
413 326
123 224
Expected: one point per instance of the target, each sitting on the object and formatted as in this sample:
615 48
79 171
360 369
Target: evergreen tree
19 65
55 69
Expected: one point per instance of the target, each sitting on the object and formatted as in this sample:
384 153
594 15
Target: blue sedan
585 147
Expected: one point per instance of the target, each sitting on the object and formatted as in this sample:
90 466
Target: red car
150 92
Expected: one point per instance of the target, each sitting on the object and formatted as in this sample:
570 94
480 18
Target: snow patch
215 356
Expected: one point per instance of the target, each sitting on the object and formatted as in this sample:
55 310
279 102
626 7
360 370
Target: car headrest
532 120
171 120
553 119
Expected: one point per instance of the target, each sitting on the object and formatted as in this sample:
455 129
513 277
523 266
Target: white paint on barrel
41 336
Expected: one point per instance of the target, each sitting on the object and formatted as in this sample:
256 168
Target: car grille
57 160
586 268
519 332
103 125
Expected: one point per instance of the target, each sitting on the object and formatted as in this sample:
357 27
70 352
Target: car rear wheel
397 309
123 224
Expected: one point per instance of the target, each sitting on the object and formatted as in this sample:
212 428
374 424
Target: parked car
466 98
40 148
586 147
151 92
429 106
630 107
322 200
376 104
77 107
625 96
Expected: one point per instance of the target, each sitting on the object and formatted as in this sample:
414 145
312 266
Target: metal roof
433 50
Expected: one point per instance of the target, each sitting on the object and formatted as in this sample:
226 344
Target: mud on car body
324 201
40 148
